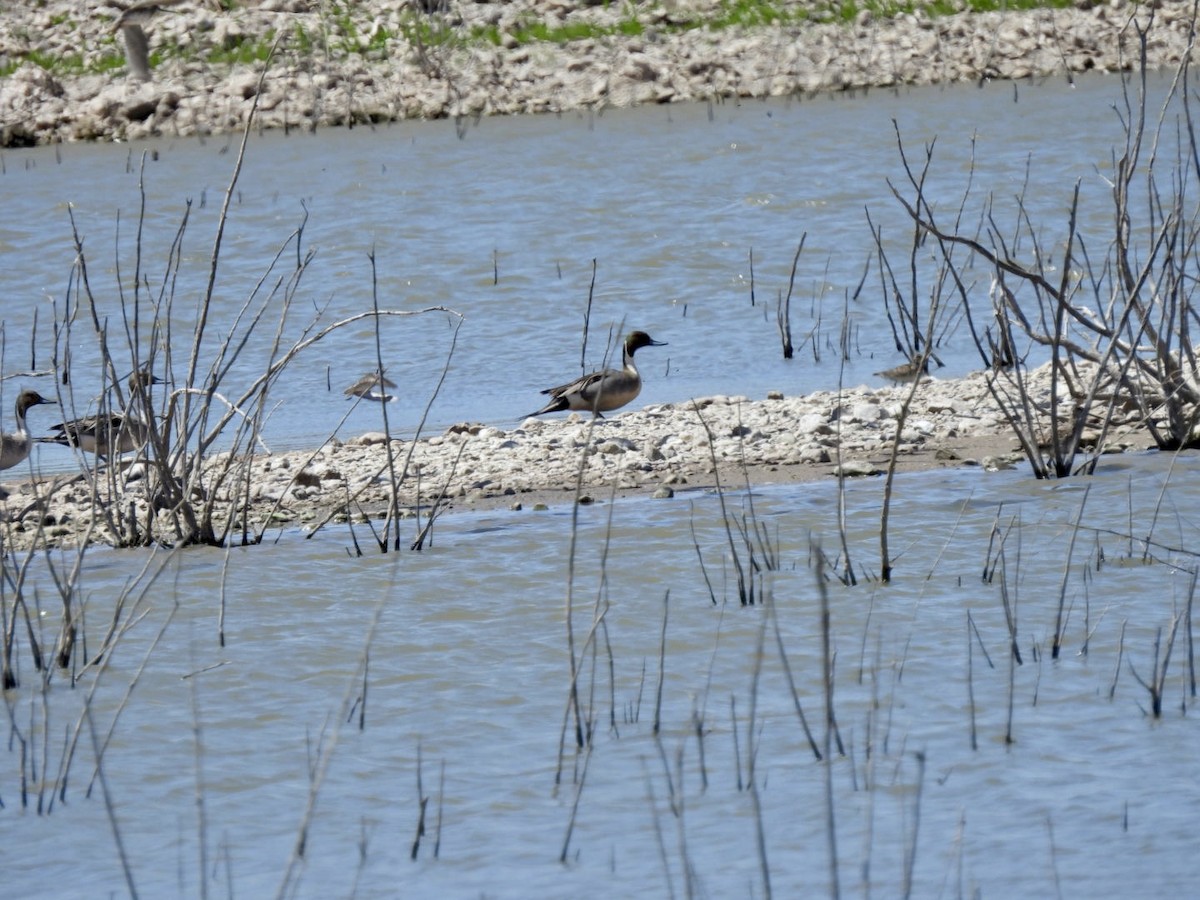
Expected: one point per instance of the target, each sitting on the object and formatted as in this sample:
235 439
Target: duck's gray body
606 390
108 434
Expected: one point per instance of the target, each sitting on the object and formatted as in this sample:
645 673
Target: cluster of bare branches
1116 326
197 440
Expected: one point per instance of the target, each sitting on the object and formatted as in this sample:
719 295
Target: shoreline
658 450
378 62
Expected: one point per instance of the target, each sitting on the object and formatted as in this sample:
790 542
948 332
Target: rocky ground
64 74
663 451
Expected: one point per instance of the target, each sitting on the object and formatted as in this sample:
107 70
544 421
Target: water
210 763
466 688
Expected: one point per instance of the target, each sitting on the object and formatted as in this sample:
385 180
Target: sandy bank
662 450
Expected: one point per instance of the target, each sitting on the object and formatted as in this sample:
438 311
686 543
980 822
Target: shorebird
907 373
606 390
129 23
108 434
372 386
15 445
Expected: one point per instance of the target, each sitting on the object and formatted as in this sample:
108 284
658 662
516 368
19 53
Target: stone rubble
347 64
680 447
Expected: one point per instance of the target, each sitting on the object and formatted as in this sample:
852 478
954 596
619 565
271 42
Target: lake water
348 688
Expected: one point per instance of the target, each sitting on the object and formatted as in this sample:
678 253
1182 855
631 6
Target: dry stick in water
752 751
1059 623
587 318
662 663
658 832
572 705
109 808
737 748
745 590
848 578
885 573
435 509
700 556
224 585
1010 613
579 782
971 684
320 767
910 856
1014 656
18 578
701 716
698 731
827 671
422 802
872 759
437 828
751 276
1146 541
689 872
1112 688
783 309
1158 676
787 672
61 780
600 621
1191 646
394 487
201 812
364 844
637 705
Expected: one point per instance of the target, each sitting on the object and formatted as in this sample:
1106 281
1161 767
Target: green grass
339 36
242 51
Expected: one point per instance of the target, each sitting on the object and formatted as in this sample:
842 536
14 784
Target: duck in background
112 433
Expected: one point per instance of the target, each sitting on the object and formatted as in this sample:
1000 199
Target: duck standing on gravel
606 390
111 433
15 445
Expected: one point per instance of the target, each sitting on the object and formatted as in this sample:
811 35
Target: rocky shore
663 451
64 75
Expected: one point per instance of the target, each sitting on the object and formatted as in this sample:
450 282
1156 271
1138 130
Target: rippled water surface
466 684
349 688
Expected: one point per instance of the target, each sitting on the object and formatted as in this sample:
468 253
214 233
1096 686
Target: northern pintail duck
15 445
112 433
606 390
372 386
